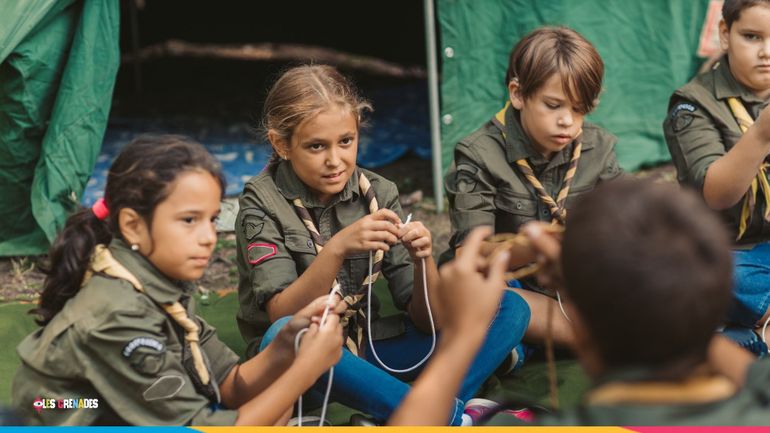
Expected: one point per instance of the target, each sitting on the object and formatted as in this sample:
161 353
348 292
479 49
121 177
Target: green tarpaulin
58 62
648 48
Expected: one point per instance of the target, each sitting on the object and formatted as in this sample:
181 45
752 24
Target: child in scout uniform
119 341
536 156
313 222
718 133
647 350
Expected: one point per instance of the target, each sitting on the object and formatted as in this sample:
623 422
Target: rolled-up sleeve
693 141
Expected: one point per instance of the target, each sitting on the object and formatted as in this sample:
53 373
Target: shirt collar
726 86
519 146
156 285
291 187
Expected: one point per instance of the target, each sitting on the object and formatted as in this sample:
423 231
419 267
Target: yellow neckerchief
556 207
103 262
699 388
760 180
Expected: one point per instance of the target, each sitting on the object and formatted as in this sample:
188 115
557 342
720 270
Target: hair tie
100 209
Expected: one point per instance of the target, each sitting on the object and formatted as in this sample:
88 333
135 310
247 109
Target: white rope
430 315
325 405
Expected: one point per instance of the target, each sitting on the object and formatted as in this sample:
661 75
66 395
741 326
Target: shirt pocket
513 210
302 250
354 270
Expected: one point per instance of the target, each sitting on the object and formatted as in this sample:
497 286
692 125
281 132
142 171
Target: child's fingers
387 215
332 322
316 307
471 247
380 235
374 246
381 227
498 267
415 233
542 241
420 243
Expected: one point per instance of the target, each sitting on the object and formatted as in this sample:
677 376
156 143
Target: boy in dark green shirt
718 133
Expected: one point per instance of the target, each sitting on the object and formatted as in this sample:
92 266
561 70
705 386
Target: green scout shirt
115 344
485 188
275 247
749 406
701 128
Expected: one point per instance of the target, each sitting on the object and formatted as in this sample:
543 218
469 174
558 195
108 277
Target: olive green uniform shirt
115 344
485 188
700 128
275 247
749 406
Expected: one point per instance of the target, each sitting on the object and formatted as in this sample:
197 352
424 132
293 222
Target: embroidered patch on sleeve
145 355
681 116
258 253
466 178
253 222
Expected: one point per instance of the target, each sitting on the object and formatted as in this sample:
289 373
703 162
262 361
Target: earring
134 247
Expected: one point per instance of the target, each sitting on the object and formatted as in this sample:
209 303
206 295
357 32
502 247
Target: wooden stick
275 52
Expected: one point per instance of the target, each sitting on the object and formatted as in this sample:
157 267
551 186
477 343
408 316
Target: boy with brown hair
536 156
718 133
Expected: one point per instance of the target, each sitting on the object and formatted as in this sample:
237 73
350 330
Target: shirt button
310 243
518 205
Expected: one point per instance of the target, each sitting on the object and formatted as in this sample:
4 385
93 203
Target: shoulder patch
138 342
681 116
466 178
259 252
145 355
252 222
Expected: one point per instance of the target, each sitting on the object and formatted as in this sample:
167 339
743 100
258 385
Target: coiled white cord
430 316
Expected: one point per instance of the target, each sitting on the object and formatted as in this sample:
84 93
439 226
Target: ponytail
68 261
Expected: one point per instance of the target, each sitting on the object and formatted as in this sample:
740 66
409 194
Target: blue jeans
751 290
362 384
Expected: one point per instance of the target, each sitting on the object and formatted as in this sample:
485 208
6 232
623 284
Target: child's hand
283 344
468 298
547 246
377 231
417 240
321 345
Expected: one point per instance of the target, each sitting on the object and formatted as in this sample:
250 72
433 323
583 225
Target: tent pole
435 129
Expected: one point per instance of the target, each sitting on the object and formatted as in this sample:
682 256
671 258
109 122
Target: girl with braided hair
314 221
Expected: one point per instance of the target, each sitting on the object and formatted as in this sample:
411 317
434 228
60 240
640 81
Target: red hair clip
100 209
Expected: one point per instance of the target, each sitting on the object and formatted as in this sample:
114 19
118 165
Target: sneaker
308 421
746 338
515 360
481 409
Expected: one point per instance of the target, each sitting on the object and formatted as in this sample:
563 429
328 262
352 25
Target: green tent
58 63
648 48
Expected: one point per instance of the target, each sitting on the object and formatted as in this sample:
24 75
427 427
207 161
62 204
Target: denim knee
272 331
514 308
